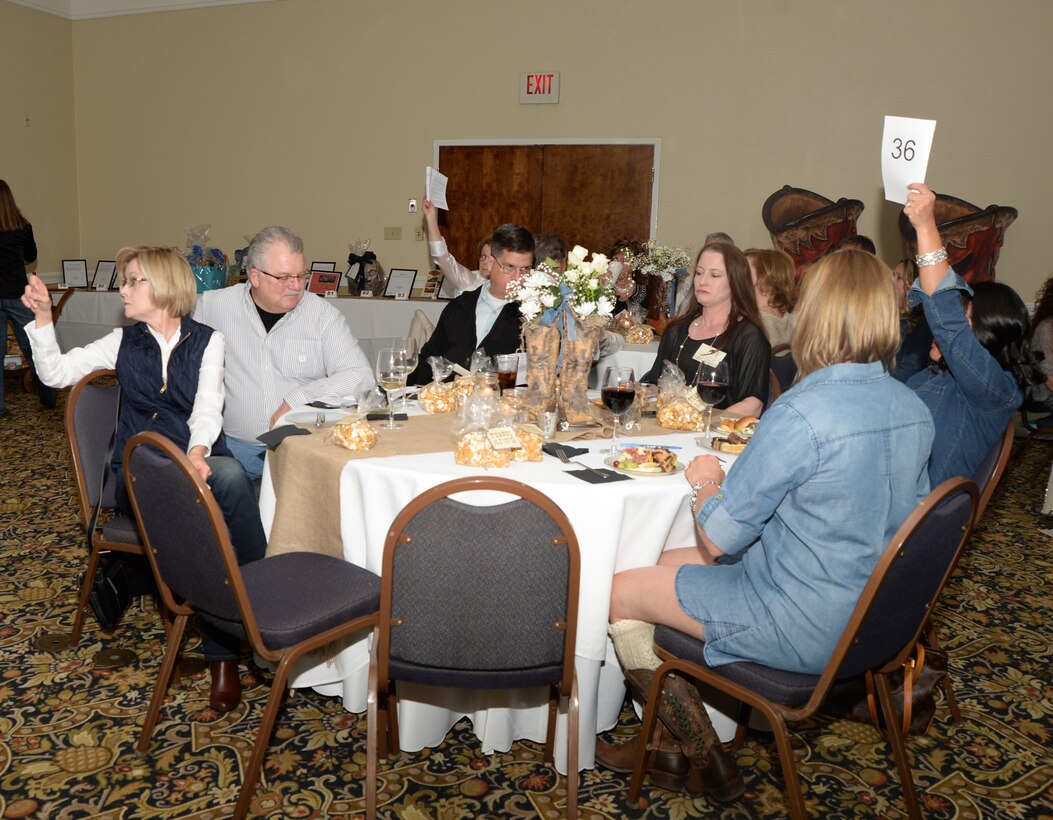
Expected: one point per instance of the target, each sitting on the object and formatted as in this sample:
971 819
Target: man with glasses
484 317
285 347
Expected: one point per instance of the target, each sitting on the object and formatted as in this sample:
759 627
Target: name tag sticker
707 354
503 438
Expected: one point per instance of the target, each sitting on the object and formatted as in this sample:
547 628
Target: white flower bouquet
663 261
584 289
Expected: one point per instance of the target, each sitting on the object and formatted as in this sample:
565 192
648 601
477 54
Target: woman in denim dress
788 539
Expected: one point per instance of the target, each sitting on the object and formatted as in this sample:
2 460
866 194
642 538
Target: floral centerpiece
666 264
564 313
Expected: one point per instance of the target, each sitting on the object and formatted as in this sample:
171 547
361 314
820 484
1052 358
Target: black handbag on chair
111 593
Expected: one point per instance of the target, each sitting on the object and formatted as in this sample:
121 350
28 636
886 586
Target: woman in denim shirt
981 352
789 539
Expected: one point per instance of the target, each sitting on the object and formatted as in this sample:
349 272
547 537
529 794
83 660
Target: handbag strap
911 671
104 479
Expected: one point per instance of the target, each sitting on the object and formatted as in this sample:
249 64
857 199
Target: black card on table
272 438
599 476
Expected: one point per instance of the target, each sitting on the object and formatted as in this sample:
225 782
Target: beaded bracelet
695 488
927 260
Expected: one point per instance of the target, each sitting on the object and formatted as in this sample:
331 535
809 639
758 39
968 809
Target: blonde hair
847 312
776 276
172 283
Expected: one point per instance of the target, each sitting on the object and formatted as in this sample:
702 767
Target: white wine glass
410 359
391 376
618 393
711 382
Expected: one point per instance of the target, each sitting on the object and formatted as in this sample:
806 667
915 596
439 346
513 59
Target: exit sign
539 87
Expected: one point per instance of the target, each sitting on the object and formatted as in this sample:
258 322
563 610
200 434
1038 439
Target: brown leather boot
225 694
713 770
668 767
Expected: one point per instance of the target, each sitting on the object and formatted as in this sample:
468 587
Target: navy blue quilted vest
147 403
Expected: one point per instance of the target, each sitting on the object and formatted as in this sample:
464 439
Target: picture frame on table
427 286
105 275
447 290
75 273
400 283
323 266
324 281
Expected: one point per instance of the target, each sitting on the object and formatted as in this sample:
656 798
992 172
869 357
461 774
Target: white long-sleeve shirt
58 369
309 354
461 278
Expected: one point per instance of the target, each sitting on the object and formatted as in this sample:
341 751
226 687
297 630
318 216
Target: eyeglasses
511 269
289 279
132 281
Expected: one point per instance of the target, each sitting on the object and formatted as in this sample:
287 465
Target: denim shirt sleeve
977 374
781 456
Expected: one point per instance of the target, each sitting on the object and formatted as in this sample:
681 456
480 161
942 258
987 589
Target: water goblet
618 394
391 375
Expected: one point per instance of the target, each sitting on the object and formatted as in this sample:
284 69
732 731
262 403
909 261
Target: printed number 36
903 150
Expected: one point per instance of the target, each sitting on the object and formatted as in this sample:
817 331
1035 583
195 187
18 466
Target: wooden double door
592 195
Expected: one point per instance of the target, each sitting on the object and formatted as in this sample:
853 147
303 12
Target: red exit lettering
539 84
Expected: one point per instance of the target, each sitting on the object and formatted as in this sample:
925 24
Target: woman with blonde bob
170 369
788 539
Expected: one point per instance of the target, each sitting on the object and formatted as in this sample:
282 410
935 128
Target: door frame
655 142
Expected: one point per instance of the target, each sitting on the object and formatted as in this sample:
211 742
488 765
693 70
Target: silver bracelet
927 260
695 488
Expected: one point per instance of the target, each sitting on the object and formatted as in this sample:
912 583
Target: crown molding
89 9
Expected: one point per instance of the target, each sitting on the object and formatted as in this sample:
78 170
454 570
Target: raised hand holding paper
905 148
435 185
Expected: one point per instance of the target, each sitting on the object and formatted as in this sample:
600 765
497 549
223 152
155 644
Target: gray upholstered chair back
990 470
481 596
91 419
178 530
919 561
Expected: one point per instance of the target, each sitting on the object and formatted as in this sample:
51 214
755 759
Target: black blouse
748 354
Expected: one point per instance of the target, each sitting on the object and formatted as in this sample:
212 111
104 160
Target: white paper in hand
905 148
435 185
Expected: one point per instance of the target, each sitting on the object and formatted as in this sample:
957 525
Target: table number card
905 148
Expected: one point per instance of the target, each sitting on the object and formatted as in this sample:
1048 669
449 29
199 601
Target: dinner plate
706 444
609 461
715 428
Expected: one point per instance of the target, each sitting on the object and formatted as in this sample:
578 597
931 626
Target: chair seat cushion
300 594
786 688
121 530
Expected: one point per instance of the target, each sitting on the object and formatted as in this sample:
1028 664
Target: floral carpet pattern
68 726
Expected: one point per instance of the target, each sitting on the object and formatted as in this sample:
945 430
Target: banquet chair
879 638
783 366
1039 427
481 597
286 605
91 421
986 479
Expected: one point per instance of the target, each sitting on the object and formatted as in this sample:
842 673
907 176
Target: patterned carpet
68 728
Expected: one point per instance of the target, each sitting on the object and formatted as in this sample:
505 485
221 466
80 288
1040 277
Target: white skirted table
619 526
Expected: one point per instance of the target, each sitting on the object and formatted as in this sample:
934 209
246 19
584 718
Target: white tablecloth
90 315
619 526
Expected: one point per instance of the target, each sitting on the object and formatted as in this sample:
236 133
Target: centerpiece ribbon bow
361 261
562 315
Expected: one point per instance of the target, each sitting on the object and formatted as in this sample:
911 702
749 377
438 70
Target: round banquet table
619 526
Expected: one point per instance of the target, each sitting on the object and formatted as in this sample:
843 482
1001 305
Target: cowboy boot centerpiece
541 343
579 351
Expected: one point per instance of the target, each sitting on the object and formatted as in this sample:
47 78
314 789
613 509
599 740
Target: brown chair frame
99 544
283 658
382 704
778 714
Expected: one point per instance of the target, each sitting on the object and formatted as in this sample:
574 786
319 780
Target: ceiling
87 9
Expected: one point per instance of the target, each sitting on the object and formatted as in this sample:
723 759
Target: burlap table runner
305 474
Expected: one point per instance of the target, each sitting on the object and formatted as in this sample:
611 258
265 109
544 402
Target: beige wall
39 162
321 114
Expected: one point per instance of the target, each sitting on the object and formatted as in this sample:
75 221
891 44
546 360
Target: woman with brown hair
721 323
18 249
774 284
788 539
